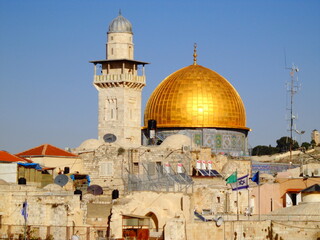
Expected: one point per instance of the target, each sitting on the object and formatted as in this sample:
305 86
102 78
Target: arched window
115 194
154 222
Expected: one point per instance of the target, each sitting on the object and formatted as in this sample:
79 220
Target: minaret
119 81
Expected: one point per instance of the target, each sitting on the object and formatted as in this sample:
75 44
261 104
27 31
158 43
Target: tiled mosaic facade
226 141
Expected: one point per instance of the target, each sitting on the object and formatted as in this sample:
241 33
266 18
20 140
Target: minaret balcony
119 78
110 80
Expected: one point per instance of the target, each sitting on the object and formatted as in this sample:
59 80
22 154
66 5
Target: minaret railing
119 78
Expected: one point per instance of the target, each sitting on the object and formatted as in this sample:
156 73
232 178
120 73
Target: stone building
53 157
315 136
52 212
119 82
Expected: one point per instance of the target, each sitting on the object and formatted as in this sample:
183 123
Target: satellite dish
109 138
219 221
95 190
61 180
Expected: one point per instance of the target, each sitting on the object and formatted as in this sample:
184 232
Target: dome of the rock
196 96
201 104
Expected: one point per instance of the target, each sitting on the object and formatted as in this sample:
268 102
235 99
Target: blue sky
47 96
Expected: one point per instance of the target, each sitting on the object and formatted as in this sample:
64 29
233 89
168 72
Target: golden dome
196 96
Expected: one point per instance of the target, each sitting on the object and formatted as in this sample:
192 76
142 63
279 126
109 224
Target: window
136 168
151 168
101 235
111 109
106 169
218 200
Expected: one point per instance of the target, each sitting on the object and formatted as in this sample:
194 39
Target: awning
31 165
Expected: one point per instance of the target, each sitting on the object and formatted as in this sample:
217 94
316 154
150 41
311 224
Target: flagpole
248 198
248 204
259 199
25 223
25 229
233 178
237 197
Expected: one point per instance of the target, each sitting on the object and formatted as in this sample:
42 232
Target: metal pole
25 229
237 201
248 204
259 201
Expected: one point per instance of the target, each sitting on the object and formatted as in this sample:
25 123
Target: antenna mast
292 89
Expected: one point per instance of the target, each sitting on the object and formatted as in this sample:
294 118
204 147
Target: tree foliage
283 144
306 145
264 150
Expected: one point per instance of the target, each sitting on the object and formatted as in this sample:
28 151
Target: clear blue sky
46 92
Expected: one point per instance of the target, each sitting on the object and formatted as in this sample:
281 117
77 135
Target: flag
241 183
256 178
232 178
24 212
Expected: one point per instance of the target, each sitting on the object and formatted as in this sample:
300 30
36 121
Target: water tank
66 170
152 124
152 128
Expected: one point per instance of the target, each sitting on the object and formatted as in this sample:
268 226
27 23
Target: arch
155 221
115 194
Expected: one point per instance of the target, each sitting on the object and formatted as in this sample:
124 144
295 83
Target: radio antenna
292 89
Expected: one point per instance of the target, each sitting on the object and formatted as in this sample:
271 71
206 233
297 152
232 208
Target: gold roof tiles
196 96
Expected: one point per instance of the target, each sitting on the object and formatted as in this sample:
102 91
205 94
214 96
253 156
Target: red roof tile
7 157
46 150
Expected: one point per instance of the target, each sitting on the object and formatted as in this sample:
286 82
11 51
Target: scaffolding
159 179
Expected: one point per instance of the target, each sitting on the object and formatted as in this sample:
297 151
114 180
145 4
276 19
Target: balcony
118 78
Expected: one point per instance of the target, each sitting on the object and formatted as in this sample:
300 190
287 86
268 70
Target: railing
119 78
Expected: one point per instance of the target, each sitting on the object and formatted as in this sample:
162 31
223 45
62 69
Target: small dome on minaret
120 24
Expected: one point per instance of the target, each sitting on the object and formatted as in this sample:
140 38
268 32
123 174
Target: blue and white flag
242 183
256 178
24 211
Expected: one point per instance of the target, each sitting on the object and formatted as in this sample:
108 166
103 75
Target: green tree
283 144
306 145
264 150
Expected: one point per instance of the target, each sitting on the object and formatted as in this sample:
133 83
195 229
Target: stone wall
51 206
106 167
214 195
162 206
120 161
51 211
254 230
